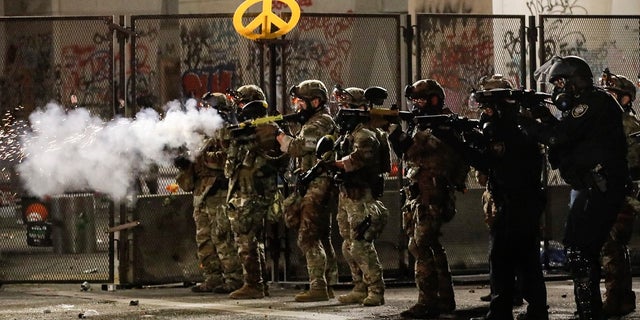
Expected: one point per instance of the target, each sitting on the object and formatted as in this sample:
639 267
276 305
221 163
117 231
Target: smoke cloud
67 151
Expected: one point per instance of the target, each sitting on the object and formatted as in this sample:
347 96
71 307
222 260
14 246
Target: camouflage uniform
619 297
252 187
314 216
360 153
433 170
217 252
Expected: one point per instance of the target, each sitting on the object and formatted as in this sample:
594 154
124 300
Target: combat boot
248 292
420 311
357 294
373 299
206 286
311 295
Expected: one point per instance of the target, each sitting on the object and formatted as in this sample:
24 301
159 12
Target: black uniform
513 163
588 146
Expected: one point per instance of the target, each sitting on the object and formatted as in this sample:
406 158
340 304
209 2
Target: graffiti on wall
447 43
321 51
277 5
219 78
85 71
537 7
209 57
561 38
447 6
28 79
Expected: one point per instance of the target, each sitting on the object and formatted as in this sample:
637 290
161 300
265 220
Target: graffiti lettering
555 7
196 83
277 5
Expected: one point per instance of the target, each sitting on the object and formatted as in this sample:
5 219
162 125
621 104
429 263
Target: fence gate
43 60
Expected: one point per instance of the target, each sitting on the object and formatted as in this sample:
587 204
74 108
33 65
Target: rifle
324 149
528 98
347 119
248 127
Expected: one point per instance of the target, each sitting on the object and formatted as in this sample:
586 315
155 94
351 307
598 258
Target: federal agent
588 146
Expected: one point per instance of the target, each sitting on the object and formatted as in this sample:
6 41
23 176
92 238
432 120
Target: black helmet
310 89
572 68
248 93
253 110
424 89
570 76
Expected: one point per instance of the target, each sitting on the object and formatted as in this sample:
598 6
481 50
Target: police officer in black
587 144
513 163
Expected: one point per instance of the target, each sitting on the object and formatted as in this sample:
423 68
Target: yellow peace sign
265 19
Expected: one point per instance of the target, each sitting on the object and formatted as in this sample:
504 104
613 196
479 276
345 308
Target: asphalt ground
103 301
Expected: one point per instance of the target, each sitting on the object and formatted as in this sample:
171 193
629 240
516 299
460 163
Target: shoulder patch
579 110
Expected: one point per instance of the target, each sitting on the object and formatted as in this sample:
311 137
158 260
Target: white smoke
75 151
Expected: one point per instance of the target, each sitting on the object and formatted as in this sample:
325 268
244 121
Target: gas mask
563 95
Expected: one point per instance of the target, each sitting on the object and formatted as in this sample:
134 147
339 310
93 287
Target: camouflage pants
615 258
361 255
217 253
314 234
432 273
247 213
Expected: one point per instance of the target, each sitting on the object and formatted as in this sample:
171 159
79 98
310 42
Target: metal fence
114 69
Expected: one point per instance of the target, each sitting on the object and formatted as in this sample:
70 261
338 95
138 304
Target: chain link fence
67 61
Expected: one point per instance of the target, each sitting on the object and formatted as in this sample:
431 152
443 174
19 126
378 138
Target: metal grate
457 50
48 59
350 50
603 41
180 57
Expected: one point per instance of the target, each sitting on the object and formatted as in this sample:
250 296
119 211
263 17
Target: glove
181 162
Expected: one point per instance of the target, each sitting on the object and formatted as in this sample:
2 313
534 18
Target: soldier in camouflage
217 253
619 298
313 217
361 216
435 170
252 186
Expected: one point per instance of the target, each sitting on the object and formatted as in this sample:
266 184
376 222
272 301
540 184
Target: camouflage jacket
303 146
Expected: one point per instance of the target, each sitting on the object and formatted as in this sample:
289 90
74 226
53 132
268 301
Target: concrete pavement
68 301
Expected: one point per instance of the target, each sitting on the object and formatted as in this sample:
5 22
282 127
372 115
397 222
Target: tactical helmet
572 68
423 89
351 97
253 110
617 83
215 100
248 93
496 81
310 89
